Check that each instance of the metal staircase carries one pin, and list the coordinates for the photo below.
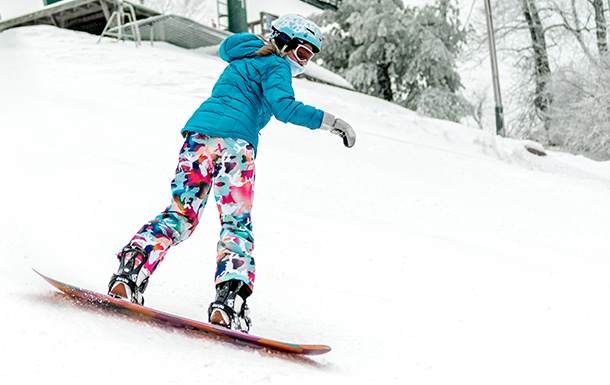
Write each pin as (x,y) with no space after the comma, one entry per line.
(222,8)
(118,28)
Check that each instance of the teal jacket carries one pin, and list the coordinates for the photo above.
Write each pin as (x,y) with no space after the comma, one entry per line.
(250,90)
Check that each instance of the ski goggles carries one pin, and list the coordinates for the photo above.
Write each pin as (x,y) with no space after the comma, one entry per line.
(303,52)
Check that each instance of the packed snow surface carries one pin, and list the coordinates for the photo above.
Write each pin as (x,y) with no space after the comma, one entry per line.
(430,253)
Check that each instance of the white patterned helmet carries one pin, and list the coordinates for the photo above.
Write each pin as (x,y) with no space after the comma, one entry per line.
(291,29)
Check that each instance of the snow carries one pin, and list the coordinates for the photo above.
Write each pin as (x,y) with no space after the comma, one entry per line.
(430,253)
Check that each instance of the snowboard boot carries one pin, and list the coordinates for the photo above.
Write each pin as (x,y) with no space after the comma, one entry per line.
(130,280)
(230,309)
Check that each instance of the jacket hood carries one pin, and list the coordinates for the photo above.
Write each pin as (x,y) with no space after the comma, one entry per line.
(240,46)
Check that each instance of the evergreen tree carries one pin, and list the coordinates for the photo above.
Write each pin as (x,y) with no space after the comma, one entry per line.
(401,54)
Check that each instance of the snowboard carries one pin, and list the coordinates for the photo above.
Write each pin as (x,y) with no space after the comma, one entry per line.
(107,302)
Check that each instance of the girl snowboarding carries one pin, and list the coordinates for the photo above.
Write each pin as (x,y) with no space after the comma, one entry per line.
(219,150)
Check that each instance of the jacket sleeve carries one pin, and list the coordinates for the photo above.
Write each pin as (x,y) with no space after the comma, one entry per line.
(277,90)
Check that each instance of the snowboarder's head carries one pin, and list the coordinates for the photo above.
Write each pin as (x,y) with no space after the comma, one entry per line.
(298,35)
(296,39)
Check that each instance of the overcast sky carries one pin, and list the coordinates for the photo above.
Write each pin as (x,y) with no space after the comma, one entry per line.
(12,8)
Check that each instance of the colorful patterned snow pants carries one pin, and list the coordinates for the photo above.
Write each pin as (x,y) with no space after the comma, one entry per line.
(227,165)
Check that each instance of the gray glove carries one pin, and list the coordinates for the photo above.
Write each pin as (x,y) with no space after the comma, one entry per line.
(339,127)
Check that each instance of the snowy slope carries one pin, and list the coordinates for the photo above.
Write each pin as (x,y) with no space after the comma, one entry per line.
(430,253)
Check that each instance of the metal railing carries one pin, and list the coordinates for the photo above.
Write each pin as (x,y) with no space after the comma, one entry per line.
(116,26)
(179,31)
(324,4)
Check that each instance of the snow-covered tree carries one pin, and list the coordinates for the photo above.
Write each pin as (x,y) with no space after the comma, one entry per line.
(540,57)
(402,54)
(562,49)
(580,113)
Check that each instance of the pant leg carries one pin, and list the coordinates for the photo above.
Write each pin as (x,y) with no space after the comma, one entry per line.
(234,192)
(190,188)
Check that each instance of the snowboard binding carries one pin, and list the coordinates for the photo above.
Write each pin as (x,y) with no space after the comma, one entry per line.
(229,308)
(131,280)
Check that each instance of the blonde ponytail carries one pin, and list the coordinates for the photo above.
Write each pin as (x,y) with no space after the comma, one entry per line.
(270,48)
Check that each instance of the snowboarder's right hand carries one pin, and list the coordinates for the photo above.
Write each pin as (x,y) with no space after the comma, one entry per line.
(339,127)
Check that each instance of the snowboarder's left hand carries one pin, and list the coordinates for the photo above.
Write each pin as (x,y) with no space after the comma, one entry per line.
(339,127)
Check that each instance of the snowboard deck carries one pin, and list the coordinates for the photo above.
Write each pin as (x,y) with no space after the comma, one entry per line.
(106,301)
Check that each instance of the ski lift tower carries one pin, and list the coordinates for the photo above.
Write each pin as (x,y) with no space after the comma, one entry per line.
(232,15)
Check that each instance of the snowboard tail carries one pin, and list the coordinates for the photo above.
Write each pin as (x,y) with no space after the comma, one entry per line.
(103,300)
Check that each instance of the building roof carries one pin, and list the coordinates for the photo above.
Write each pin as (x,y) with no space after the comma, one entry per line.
(79,15)
(93,15)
